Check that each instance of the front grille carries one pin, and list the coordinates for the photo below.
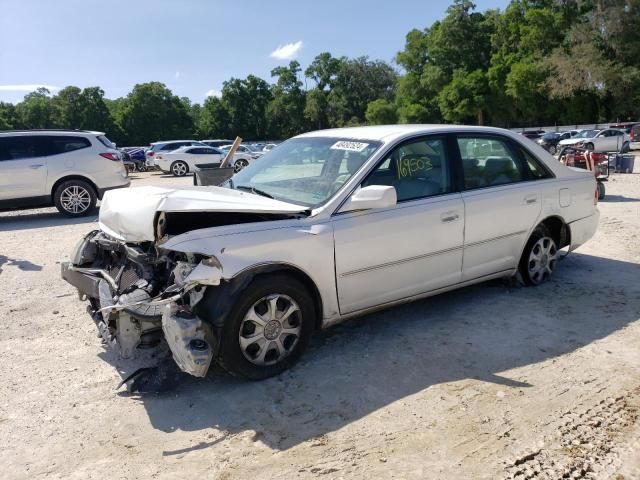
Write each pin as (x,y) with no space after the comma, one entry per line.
(128,278)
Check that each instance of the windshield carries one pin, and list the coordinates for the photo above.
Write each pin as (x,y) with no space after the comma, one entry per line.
(305,171)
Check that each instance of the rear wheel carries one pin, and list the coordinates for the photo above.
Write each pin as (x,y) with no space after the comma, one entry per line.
(240,164)
(179,168)
(75,198)
(539,258)
(268,329)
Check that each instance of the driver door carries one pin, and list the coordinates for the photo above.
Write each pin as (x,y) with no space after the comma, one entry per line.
(384,255)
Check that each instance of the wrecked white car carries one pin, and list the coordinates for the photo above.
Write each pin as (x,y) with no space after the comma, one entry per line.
(329,225)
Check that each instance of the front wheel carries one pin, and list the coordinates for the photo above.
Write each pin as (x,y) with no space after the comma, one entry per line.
(539,258)
(553,149)
(601,190)
(179,168)
(268,329)
(75,198)
(589,146)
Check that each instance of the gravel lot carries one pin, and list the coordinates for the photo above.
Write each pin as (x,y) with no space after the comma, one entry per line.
(492,381)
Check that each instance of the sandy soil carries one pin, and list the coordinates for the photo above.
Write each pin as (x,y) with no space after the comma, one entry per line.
(492,381)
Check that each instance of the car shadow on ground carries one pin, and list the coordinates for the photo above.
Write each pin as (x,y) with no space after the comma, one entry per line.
(619,199)
(41,219)
(365,364)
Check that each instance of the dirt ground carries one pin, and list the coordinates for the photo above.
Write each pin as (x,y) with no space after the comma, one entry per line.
(492,381)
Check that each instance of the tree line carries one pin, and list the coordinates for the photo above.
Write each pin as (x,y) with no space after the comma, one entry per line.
(537,62)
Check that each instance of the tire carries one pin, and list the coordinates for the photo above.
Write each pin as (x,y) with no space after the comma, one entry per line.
(589,146)
(601,190)
(553,149)
(253,352)
(179,168)
(539,258)
(75,198)
(240,164)
(625,147)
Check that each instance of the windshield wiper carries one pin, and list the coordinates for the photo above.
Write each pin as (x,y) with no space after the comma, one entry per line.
(255,190)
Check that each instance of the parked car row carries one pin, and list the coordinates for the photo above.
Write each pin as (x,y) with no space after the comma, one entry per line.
(605,140)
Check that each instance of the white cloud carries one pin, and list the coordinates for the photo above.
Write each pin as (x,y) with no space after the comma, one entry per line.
(214,93)
(26,88)
(288,51)
(177,74)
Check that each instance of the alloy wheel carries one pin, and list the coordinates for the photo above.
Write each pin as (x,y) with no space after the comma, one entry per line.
(542,260)
(270,329)
(179,169)
(239,165)
(75,199)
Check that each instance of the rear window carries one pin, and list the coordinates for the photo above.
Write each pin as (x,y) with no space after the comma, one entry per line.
(63,144)
(106,142)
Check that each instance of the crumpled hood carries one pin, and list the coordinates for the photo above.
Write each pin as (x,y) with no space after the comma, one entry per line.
(128,214)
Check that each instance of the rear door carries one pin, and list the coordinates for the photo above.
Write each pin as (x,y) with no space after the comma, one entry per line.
(501,203)
(23,167)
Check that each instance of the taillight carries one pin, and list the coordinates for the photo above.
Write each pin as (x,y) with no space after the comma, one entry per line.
(150,153)
(111,156)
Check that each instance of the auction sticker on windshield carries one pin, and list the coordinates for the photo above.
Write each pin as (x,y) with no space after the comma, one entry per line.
(349,146)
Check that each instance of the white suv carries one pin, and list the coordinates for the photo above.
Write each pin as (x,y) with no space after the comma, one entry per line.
(70,169)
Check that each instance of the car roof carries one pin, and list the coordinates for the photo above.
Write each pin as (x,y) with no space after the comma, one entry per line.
(388,133)
(173,141)
(49,132)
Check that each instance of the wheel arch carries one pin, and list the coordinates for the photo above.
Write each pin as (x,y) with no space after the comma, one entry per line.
(559,230)
(66,178)
(219,300)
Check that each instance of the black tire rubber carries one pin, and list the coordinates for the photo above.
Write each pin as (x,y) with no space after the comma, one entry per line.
(589,146)
(177,162)
(230,356)
(242,163)
(553,149)
(626,147)
(601,190)
(523,267)
(70,183)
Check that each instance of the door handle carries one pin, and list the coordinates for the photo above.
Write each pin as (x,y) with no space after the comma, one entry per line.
(530,199)
(449,217)
(36,166)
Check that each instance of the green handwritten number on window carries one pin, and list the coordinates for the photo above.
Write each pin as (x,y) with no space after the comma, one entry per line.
(407,167)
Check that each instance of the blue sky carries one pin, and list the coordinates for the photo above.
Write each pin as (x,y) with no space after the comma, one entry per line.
(192,45)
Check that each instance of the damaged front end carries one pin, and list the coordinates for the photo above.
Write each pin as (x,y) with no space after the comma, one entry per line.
(139,294)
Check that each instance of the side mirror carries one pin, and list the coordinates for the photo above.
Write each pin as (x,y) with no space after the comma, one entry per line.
(373,196)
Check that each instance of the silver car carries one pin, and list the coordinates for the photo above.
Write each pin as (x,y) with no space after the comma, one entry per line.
(329,225)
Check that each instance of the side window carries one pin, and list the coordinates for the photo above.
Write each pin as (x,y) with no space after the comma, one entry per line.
(488,162)
(63,144)
(536,169)
(15,148)
(417,169)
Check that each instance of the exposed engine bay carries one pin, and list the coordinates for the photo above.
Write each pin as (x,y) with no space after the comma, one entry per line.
(139,294)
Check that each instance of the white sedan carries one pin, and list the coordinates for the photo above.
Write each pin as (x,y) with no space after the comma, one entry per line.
(329,225)
(183,160)
(242,157)
(608,140)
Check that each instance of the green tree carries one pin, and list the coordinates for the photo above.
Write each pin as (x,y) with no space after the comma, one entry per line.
(214,121)
(316,109)
(152,112)
(8,116)
(37,110)
(464,98)
(286,109)
(68,107)
(381,112)
(246,102)
(324,69)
